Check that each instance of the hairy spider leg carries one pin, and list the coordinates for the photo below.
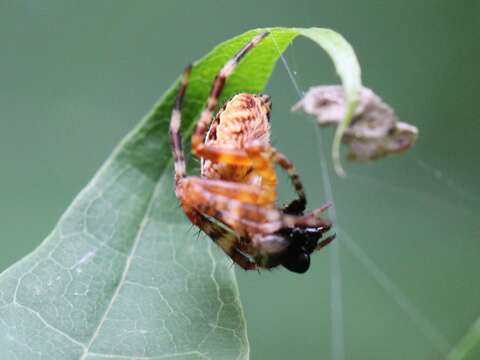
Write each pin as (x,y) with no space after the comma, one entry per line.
(296,206)
(174,131)
(246,193)
(325,242)
(244,218)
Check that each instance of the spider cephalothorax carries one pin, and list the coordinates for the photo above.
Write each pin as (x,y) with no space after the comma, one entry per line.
(234,199)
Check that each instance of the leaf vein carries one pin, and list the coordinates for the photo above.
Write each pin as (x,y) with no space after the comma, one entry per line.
(128,263)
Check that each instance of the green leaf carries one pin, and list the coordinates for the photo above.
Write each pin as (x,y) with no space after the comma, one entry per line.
(121,275)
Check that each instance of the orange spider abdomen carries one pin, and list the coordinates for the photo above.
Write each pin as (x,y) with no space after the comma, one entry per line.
(242,122)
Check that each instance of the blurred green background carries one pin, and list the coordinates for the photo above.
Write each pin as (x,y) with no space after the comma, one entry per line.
(76,76)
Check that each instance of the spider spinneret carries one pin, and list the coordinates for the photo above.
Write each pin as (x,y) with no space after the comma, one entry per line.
(234,199)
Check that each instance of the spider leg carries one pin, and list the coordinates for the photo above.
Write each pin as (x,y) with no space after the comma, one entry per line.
(218,84)
(304,221)
(321,209)
(174,131)
(325,242)
(244,218)
(297,206)
(241,217)
(225,239)
(245,193)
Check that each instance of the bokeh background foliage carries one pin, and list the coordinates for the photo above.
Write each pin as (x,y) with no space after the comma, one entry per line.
(76,76)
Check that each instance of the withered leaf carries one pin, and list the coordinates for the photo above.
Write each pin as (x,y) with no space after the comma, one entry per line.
(374,131)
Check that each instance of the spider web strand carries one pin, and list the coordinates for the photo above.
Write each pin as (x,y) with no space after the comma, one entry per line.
(416,316)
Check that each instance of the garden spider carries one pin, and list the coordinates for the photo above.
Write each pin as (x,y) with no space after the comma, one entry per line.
(233,201)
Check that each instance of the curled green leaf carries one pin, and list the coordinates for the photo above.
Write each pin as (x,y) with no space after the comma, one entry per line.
(121,275)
